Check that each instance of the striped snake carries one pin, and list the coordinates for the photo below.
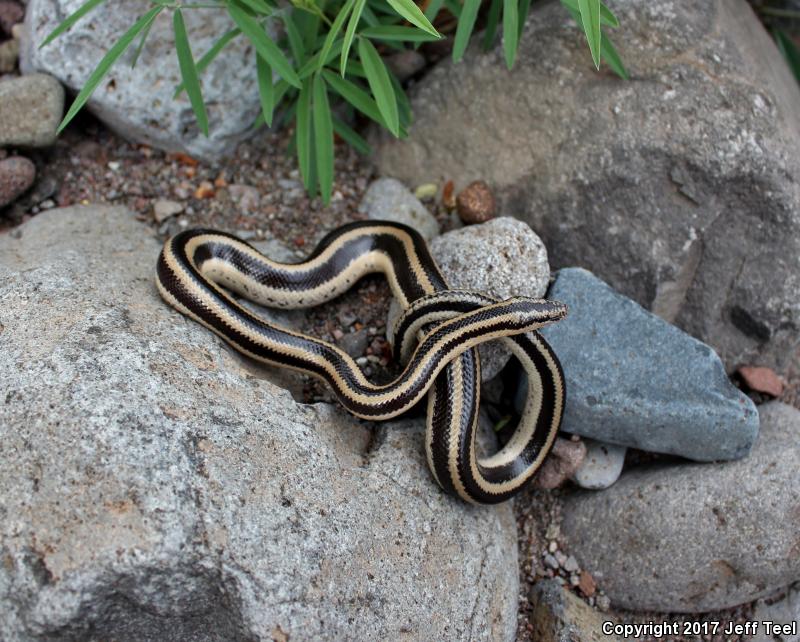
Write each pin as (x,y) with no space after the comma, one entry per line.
(435,337)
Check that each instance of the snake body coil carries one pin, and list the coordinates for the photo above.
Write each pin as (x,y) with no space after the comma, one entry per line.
(436,338)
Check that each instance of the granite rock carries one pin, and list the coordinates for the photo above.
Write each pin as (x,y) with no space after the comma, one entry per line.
(692,538)
(387,199)
(30,110)
(501,258)
(559,616)
(782,611)
(635,380)
(137,102)
(155,485)
(679,187)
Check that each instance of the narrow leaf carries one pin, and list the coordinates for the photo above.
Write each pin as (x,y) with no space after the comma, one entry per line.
(413,14)
(524,7)
(333,32)
(266,90)
(607,18)
(380,84)
(140,46)
(263,44)
(610,55)
(106,63)
(401,34)
(490,33)
(350,136)
(790,51)
(356,96)
(465,26)
(510,31)
(323,132)
(350,32)
(189,71)
(296,45)
(208,56)
(258,6)
(590,17)
(312,63)
(434,7)
(303,129)
(71,20)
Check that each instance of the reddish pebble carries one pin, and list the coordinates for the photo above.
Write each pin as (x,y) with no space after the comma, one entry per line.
(761,379)
(204,190)
(11,13)
(16,176)
(586,584)
(561,464)
(475,203)
(449,195)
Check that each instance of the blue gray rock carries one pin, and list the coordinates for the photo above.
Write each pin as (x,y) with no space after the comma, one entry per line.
(635,380)
(602,465)
(387,199)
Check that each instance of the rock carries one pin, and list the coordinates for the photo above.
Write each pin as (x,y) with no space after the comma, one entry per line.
(16,176)
(635,380)
(561,464)
(245,196)
(157,486)
(388,199)
(475,203)
(137,102)
(761,379)
(691,538)
(11,13)
(559,616)
(9,53)
(406,63)
(502,258)
(679,187)
(30,110)
(602,465)
(164,209)
(783,611)
(355,343)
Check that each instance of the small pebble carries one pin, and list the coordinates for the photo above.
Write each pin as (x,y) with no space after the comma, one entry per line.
(561,464)
(11,13)
(426,191)
(164,209)
(603,603)
(553,547)
(475,203)
(761,379)
(551,562)
(571,564)
(586,584)
(17,174)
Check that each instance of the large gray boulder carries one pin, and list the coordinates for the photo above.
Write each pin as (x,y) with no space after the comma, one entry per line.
(153,485)
(692,538)
(137,102)
(678,187)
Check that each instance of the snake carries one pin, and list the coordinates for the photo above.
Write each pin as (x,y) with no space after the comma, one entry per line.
(199,271)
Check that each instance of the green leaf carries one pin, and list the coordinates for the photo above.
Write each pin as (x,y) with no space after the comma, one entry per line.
(189,71)
(263,44)
(296,45)
(380,84)
(434,7)
(310,65)
(403,106)
(402,34)
(349,136)
(453,7)
(266,90)
(258,6)
(465,26)
(209,56)
(590,17)
(353,94)
(524,8)
(412,13)
(610,55)
(333,32)
(490,33)
(789,51)
(349,33)
(323,132)
(140,46)
(607,18)
(106,63)
(510,31)
(71,20)
(303,120)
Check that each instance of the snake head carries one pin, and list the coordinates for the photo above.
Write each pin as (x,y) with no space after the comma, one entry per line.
(531,314)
